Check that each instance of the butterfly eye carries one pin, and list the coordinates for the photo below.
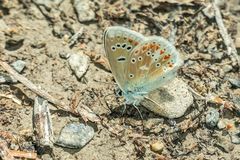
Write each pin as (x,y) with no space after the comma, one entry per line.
(129,48)
(158,65)
(155,59)
(113,48)
(133,60)
(139,58)
(124,45)
(148,53)
(131,75)
(118,45)
(152,55)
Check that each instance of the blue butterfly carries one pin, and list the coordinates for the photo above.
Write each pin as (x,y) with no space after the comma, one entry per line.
(139,64)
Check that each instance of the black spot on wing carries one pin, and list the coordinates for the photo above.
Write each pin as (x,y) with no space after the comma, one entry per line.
(121,59)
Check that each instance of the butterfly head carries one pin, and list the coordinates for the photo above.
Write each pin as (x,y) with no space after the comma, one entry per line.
(134,97)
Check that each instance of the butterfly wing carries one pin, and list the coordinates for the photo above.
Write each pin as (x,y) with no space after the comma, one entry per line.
(151,64)
(118,44)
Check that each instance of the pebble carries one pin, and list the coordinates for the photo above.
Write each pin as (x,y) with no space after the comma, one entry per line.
(218,55)
(18,65)
(173,99)
(235,138)
(157,147)
(75,135)
(221,124)
(79,64)
(227,68)
(234,82)
(212,117)
(84,10)
(64,54)
(14,43)
(5,78)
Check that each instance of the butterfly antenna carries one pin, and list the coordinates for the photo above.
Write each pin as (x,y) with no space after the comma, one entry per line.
(123,112)
(124,109)
(151,100)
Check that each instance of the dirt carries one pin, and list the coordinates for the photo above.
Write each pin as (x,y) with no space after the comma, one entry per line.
(38,33)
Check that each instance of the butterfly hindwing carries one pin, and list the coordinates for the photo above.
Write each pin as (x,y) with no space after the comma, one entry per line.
(151,64)
(118,44)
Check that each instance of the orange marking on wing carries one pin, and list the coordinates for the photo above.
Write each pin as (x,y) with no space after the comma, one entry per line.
(136,52)
(162,51)
(167,57)
(153,47)
(157,47)
(130,40)
(136,43)
(145,47)
(170,64)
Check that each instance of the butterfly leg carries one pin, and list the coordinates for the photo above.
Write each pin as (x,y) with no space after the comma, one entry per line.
(134,105)
(123,112)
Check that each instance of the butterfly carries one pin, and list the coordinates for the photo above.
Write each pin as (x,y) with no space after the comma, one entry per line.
(139,64)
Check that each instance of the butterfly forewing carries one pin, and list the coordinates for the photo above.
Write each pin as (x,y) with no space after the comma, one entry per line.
(151,64)
(119,43)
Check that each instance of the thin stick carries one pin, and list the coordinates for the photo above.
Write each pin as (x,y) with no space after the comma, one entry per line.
(23,154)
(33,87)
(4,151)
(231,49)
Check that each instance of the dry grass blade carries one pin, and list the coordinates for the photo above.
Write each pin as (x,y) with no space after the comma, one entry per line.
(32,87)
(231,49)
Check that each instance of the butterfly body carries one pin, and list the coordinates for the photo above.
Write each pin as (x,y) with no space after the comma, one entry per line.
(139,64)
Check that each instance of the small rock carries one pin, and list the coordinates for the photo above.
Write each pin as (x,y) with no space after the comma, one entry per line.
(14,43)
(172,99)
(157,147)
(5,78)
(75,135)
(79,64)
(84,10)
(234,82)
(18,65)
(212,118)
(221,124)
(235,138)
(64,54)
(236,101)
(227,68)
(217,55)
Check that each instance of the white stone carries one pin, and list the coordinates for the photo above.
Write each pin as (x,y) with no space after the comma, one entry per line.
(79,64)
(171,100)
(84,9)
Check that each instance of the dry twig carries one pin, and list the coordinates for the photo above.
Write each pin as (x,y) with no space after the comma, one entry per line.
(32,87)
(231,49)
(84,111)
